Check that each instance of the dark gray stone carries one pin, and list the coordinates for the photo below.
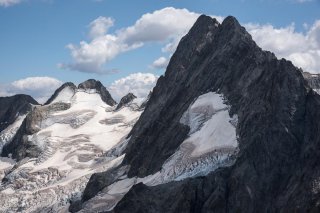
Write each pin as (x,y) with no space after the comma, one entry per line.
(126,100)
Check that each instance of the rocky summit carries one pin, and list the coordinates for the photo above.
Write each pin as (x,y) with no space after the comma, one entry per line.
(229,127)
(273,164)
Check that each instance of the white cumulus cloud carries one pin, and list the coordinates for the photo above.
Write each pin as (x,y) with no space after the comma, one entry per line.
(161,25)
(100,26)
(7,3)
(140,84)
(167,25)
(160,63)
(303,49)
(40,88)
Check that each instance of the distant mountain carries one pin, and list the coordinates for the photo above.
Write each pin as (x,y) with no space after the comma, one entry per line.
(63,93)
(57,146)
(93,85)
(126,100)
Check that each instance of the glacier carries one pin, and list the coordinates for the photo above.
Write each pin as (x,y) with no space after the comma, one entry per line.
(74,141)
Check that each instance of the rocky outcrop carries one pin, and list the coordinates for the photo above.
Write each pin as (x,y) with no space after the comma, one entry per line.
(277,167)
(21,146)
(92,84)
(11,107)
(126,100)
(313,80)
(57,92)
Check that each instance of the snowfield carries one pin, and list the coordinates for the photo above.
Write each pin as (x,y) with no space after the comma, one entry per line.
(73,143)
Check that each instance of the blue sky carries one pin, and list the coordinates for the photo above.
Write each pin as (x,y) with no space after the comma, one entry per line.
(38,37)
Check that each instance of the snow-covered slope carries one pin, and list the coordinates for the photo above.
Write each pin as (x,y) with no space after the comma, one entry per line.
(212,143)
(73,142)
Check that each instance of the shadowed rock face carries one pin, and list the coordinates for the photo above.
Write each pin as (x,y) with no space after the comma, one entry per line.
(56,93)
(157,128)
(11,107)
(93,84)
(277,168)
(125,100)
(20,147)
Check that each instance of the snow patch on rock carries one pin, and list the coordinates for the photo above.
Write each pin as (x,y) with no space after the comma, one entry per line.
(7,134)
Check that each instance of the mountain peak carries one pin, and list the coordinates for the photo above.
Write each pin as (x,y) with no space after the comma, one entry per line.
(126,99)
(231,20)
(97,85)
(69,85)
(90,84)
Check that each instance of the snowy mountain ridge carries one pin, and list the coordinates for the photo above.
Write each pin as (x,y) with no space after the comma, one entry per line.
(72,135)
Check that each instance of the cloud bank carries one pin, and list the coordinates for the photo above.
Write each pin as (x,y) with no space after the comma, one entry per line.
(140,84)
(303,49)
(8,3)
(160,63)
(167,25)
(40,88)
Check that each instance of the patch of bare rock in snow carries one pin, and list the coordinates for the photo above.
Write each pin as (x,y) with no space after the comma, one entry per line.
(7,135)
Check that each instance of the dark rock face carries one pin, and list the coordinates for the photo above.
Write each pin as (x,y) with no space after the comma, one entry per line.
(193,195)
(56,93)
(154,137)
(11,107)
(125,100)
(93,84)
(278,167)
